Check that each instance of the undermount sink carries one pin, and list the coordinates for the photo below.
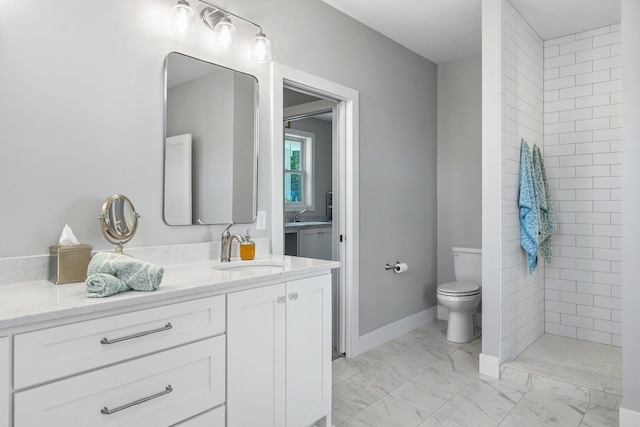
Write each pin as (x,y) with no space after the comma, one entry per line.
(257,266)
(308,223)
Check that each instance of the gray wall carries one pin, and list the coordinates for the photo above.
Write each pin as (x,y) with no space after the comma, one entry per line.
(81,118)
(321,162)
(459,159)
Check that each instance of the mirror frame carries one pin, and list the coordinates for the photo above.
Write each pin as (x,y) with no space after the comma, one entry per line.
(256,144)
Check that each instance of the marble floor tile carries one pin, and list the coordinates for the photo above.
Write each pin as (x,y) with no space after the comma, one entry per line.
(442,380)
(438,345)
(603,410)
(387,412)
(515,376)
(338,416)
(405,368)
(560,387)
(353,422)
(460,362)
(410,338)
(421,396)
(377,380)
(470,413)
(435,327)
(351,398)
(552,409)
(436,421)
(422,380)
(474,348)
(343,369)
(489,391)
(517,420)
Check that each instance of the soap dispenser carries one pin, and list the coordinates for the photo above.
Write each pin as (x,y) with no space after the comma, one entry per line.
(247,248)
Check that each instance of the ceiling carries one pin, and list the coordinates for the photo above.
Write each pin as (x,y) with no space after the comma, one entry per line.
(446,30)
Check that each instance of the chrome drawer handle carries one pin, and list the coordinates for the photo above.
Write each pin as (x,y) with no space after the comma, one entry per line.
(138,335)
(293,296)
(108,411)
(281,300)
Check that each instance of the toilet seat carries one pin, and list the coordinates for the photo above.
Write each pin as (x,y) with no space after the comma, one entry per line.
(458,289)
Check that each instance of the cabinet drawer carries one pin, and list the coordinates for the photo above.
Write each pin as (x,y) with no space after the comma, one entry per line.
(65,350)
(214,418)
(178,384)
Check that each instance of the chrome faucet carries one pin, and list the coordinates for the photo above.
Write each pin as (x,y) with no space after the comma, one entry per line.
(225,244)
(226,249)
(295,216)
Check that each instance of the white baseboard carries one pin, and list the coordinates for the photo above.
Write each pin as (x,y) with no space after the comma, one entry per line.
(395,329)
(489,365)
(629,418)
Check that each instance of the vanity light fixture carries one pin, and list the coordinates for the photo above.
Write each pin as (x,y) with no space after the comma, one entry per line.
(219,21)
(225,37)
(182,18)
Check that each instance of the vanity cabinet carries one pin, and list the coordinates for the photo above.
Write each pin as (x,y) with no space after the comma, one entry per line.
(153,367)
(5,369)
(279,354)
(161,389)
(315,243)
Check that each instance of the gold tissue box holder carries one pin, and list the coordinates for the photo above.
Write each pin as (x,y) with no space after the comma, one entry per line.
(68,264)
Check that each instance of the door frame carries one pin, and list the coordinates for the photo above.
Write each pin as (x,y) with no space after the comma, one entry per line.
(347,165)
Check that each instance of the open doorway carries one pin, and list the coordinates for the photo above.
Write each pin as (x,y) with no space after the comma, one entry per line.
(309,183)
(345,197)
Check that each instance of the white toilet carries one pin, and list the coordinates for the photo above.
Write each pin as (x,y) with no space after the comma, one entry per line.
(463,296)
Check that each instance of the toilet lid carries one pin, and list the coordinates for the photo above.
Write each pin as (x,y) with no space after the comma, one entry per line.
(459,289)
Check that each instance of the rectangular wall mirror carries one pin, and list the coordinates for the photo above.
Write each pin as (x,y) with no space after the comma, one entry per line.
(211,143)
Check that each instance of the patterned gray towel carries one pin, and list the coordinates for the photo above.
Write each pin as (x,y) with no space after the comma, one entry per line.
(100,285)
(138,275)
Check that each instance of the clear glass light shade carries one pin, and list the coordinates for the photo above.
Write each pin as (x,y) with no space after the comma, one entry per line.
(225,37)
(182,18)
(261,48)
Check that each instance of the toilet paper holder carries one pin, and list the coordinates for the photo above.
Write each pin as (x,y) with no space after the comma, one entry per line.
(398,267)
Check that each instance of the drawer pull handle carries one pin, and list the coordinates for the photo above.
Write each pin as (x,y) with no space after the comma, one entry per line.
(293,296)
(108,411)
(138,335)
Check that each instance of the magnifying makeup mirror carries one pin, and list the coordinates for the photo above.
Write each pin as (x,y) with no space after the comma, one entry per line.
(118,220)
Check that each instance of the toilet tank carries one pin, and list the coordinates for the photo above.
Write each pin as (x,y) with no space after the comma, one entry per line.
(467,264)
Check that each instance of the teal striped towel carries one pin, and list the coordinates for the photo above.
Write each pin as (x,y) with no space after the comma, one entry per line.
(547,215)
(529,208)
(138,275)
(100,285)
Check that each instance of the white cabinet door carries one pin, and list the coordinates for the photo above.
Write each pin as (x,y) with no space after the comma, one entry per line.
(256,325)
(308,350)
(255,364)
(5,368)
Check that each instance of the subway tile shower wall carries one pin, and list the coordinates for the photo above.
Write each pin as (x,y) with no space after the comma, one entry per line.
(583,158)
(523,103)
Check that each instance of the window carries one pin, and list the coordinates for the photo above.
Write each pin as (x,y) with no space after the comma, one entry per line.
(298,177)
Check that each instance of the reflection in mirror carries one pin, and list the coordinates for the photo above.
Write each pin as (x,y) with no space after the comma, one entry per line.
(118,220)
(210,168)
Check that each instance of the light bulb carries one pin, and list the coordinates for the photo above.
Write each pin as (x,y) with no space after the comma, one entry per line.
(225,34)
(261,48)
(182,18)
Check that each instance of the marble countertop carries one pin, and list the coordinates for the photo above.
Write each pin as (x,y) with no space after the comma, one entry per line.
(39,301)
